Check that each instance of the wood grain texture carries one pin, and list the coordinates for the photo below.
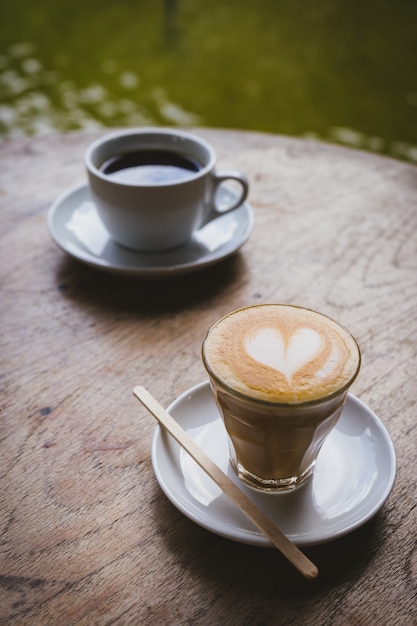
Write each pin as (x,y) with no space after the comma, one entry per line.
(87,537)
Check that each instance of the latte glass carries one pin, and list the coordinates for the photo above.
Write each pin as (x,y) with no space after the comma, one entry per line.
(280,376)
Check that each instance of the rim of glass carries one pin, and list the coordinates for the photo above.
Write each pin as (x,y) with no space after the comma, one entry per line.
(243,396)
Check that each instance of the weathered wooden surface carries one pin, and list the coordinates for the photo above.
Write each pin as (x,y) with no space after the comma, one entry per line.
(87,537)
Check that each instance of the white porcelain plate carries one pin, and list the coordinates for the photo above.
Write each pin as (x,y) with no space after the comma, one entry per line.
(75,226)
(354,475)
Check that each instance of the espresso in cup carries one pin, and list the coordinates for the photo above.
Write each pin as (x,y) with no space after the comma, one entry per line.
(153,187)
(280,375)
(150,167)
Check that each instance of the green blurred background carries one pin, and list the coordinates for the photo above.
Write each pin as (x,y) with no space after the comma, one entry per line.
(341,71)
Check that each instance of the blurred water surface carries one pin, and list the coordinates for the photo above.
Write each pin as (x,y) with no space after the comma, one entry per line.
(340,71)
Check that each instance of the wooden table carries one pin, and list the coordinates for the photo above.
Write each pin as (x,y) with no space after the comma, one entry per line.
(87,536)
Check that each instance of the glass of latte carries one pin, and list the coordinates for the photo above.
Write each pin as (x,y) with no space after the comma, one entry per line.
(280,375)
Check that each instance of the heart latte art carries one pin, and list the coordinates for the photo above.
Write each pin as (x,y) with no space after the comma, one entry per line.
(269,347)
(281,353)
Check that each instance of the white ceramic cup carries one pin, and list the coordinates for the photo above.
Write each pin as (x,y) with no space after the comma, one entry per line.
(157,216)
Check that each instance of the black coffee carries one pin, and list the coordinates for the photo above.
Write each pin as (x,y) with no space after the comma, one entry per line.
(150,167)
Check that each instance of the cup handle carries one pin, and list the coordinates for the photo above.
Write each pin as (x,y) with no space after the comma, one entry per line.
(217,179)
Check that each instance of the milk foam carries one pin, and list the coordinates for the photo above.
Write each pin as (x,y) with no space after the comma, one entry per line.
(281,353)
(269,347)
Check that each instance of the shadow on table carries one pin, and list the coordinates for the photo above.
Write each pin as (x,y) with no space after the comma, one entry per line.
(259,575)
(118,293)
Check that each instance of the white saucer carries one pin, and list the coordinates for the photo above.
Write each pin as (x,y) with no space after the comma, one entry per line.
(354,475)
(75,227)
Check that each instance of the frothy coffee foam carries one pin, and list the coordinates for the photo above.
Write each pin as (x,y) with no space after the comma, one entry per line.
(281,353)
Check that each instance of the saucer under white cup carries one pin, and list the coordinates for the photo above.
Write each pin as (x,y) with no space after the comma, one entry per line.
(75,226)
(354,475)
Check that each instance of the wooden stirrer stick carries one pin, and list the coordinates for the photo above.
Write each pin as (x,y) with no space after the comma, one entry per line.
(284,545)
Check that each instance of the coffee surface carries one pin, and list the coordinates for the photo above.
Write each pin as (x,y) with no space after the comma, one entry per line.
(150,167)
(281,353)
